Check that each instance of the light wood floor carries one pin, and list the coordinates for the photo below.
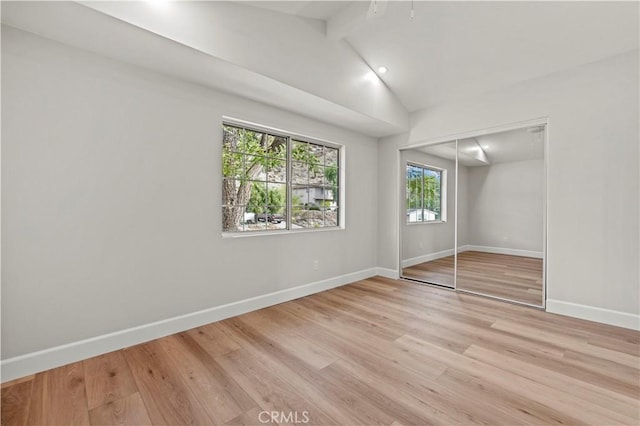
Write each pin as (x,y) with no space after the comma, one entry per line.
(378,351)
(515,278)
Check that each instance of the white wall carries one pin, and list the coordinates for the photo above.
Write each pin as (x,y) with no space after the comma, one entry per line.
(111,196)
(389,211)
(421,239)
(593,129)
(505,205)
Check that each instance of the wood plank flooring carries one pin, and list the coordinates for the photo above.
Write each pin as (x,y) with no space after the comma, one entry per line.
(377,351)
(515,278)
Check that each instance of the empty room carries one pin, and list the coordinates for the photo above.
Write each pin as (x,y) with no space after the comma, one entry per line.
(320,212)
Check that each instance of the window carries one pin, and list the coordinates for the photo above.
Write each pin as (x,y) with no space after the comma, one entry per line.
(277,182)
(426,195)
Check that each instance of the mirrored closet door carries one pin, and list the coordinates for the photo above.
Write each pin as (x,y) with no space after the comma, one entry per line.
(428,229)
(474,214)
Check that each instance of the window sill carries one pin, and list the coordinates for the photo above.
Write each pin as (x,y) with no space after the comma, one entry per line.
(426,223)
(226,235)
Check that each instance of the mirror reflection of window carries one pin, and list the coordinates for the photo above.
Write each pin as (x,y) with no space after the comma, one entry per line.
(425,191)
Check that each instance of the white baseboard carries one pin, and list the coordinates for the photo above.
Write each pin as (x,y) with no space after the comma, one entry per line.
(24,365)
(388,273)
(485,249)
(426,258)
(502,250)
(591,313)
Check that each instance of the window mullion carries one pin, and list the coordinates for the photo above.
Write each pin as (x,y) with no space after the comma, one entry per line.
(422,195)
(289,215)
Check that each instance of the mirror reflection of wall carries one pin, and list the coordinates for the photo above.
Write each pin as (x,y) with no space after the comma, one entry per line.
(500,240)
(428,228)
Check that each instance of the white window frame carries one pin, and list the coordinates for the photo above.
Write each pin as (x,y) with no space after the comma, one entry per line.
(443,193)
(291,136)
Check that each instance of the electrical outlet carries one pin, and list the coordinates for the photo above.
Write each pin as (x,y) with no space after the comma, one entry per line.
(316,265)
(420,244)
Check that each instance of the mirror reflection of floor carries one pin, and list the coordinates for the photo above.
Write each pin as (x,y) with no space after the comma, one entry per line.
(439,271)
(515,278)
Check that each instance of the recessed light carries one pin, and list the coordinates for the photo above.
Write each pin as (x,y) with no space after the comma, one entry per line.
(382,69)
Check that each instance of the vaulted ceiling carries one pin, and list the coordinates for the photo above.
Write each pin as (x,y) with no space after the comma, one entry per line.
(320,58)
(454,50)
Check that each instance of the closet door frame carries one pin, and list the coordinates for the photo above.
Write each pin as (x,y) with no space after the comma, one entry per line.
(542,121)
